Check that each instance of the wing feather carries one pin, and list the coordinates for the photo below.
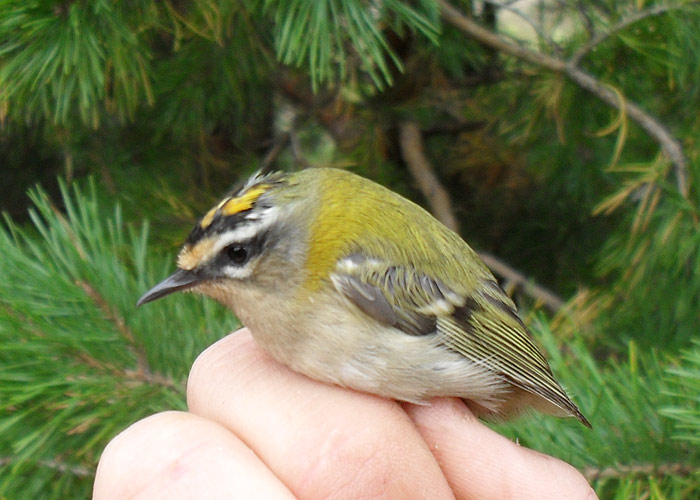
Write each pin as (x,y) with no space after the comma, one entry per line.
(482,324)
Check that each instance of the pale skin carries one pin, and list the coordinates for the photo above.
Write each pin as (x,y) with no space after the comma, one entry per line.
(255,429)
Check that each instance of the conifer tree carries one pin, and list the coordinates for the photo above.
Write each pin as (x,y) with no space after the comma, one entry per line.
(558,137)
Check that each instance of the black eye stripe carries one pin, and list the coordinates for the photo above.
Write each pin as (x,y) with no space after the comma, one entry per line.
(238,253)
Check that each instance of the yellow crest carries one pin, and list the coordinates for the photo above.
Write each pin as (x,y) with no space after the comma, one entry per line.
(235,205)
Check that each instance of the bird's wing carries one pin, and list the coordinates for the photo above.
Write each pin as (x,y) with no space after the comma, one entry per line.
(482,324)
(394,295)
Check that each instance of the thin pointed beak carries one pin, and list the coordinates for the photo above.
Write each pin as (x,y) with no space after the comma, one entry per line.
(179,280)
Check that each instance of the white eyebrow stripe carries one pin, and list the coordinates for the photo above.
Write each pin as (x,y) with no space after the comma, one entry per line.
(246,232)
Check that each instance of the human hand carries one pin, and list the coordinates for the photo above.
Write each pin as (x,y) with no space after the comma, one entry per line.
(256,429)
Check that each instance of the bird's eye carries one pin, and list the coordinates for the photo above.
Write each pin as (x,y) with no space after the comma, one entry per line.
(236,254)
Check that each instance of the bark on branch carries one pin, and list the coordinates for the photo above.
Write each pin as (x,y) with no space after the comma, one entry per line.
(655,10)
(412,151)
(669,144)
(419,166)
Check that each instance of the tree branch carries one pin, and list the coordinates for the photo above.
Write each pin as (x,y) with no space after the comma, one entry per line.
(143,372)
(518,279)
(419,166)
(669,144)
(622,24)
(270,158)
(470,27)
(438,198)
(536,27)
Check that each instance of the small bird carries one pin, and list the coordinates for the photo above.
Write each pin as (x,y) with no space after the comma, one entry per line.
(349,283)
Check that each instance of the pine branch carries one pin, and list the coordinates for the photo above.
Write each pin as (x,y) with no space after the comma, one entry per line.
(684,385)
(78,362)
(419,166)
(531,22)
(412,150)
(143,372)
(624,23)
(515,278)
(278,144)
(669,144)
(119,323)
(621,395)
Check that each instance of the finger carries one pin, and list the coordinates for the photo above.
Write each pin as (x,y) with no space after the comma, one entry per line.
(479,463)
(176,455)
(321,440)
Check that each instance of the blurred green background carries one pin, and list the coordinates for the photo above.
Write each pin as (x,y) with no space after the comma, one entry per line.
(563,136)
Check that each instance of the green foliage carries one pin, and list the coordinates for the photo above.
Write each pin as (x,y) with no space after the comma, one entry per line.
(307,34)
(661,289)
(684,389)
(632,447)
(225,77)
(60,58)
(78,362)
(169,103)
(68,308)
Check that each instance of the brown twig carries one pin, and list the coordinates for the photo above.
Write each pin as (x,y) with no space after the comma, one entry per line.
(411,142)
(621,25)
(470,27)
(669,144)
(550,299)
(587,21)
(528,20)
(88,360)
(412,150)
(117,321)
(271,156)
(143,372)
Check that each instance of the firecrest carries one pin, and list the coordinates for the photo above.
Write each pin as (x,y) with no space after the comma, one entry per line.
(349,283)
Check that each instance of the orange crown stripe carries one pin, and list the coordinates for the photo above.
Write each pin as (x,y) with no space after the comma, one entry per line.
(233,206)
(243,202)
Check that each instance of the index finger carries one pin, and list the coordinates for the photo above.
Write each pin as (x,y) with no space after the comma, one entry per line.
(322,441)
